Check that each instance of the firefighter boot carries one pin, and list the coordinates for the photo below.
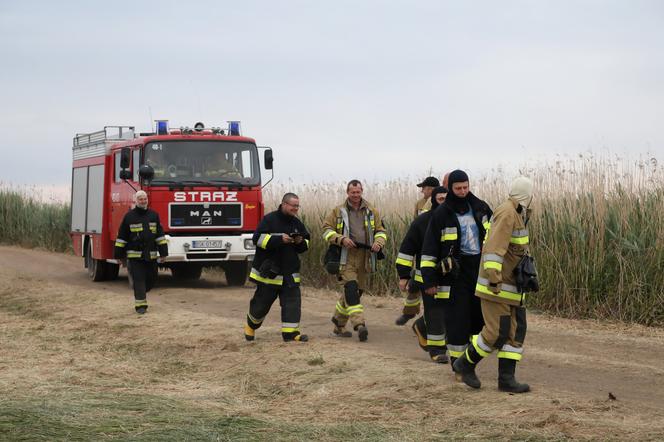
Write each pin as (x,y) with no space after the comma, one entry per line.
(340,331)
(452,361)
(362,332)
(419,328)
(439,356)
(506,380)
(298,337)
(249,333)
(465,367)
(401,320)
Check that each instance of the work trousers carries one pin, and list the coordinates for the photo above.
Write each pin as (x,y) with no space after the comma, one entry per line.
(504,330)
(434,322)
(463,311)
(290,300)
(143,275)
(353,278)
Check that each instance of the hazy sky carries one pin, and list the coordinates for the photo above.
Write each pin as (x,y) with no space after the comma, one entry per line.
(339,89)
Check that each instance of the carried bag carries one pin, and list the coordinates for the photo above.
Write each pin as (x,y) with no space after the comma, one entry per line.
(525,274)
(332,259)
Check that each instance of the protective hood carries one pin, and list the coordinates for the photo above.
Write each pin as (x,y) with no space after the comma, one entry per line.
(459,205)
(436,191)
(522,191)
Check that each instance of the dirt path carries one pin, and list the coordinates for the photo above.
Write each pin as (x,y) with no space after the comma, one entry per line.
(572,366)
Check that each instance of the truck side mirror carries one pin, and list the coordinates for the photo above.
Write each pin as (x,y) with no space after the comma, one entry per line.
(268,159)
(125,174)
(125,158)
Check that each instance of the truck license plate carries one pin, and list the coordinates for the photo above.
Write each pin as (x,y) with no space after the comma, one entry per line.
(208,244)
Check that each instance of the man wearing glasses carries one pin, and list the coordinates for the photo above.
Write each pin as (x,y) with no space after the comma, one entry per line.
(279,239)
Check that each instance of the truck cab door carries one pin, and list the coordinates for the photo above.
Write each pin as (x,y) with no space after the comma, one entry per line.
(121,194)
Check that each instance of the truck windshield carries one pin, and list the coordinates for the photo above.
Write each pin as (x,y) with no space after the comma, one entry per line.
(203,162)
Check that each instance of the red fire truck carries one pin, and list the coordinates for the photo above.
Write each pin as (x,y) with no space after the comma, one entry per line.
(205,183)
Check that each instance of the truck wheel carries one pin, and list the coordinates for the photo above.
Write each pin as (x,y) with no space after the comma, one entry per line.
(112,271)
(188,272)
(236,272)
(96,267)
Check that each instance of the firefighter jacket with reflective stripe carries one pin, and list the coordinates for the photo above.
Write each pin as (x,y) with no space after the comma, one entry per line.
(411,246)
(506,243)
(276,262)
(141,236)
(336,227)
(422,205)
(443,239)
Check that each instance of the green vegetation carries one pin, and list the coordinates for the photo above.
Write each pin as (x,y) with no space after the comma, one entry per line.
(28,222)
(597,232)
(141,417)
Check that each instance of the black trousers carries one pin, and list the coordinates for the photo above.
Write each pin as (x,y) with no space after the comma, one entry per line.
(290,300)
(434,320)
(144,275)
(463,311)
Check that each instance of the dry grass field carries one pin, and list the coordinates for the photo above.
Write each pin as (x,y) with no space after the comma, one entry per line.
(76,363)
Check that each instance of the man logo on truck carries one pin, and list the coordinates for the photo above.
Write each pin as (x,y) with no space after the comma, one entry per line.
(204,196)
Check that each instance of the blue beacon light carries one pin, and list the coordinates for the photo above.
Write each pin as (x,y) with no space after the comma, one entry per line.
(234,128)
(162,127)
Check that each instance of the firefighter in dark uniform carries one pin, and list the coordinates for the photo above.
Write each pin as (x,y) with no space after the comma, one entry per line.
(279,239)
(450,260)
(430,328)
(502,300)
(140,244)
(412,301)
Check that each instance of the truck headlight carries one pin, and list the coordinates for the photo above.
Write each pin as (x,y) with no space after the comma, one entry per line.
(248,244)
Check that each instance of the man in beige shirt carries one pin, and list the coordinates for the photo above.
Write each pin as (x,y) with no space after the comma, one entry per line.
(427,186)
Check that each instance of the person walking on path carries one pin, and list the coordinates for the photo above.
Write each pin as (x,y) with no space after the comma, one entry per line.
(498,289)
(279,239)
(450,260)
(356,227)
(140,244)
(429,328)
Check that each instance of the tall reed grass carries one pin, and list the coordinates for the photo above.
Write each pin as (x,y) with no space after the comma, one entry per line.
(597,232)
(29,221)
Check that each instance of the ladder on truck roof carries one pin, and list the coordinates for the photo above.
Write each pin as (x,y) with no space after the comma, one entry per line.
(99,143)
